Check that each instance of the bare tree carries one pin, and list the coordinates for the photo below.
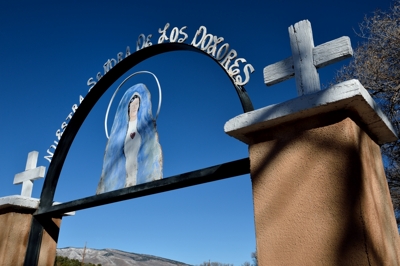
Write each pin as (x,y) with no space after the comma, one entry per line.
(376,64)
(254,258)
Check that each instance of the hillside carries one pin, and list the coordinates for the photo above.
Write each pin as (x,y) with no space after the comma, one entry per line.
(112,257)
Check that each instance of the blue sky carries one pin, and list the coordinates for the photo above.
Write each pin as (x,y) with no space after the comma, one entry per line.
(50,49)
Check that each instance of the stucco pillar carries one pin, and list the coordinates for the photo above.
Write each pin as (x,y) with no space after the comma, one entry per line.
(319,189)
(15,224)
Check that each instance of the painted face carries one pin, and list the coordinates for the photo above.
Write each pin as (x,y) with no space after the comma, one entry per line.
(133,109)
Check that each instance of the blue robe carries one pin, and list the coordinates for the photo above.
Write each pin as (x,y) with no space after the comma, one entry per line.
(149,157)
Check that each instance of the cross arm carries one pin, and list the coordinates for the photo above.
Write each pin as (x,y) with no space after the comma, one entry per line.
(323,55)
(31,174)
(332,52)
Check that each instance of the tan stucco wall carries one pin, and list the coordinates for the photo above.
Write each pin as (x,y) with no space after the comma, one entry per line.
(48,247)
(321,196)
(14,234)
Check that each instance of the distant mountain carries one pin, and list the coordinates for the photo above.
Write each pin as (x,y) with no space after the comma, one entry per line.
(113,257)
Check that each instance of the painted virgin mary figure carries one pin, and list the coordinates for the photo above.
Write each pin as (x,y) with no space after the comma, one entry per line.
(133,153)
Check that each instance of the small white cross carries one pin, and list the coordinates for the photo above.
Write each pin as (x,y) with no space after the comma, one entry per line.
(31,173)
(306,59)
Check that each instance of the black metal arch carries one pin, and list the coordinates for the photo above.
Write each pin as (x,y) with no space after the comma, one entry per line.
(42,219)
(60,154)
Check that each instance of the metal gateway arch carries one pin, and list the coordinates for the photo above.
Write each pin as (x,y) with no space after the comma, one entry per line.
(42,218)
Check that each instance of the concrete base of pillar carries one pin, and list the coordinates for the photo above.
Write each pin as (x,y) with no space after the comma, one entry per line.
(15,220)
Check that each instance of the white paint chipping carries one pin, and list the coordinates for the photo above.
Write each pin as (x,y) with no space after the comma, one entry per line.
(31,173)
(19,201)
(332,52)
(22,202)
(302,45)
(349,95)
(306,59)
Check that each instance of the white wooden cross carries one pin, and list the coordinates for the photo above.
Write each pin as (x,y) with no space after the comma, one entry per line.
(306,59)
(31,173)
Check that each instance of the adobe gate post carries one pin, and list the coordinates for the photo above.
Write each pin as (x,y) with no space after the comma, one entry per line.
(16,217)
(16,214)
(319,189)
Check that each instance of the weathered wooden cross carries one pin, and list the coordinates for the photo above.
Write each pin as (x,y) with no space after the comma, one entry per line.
(31,173)
(306,59)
